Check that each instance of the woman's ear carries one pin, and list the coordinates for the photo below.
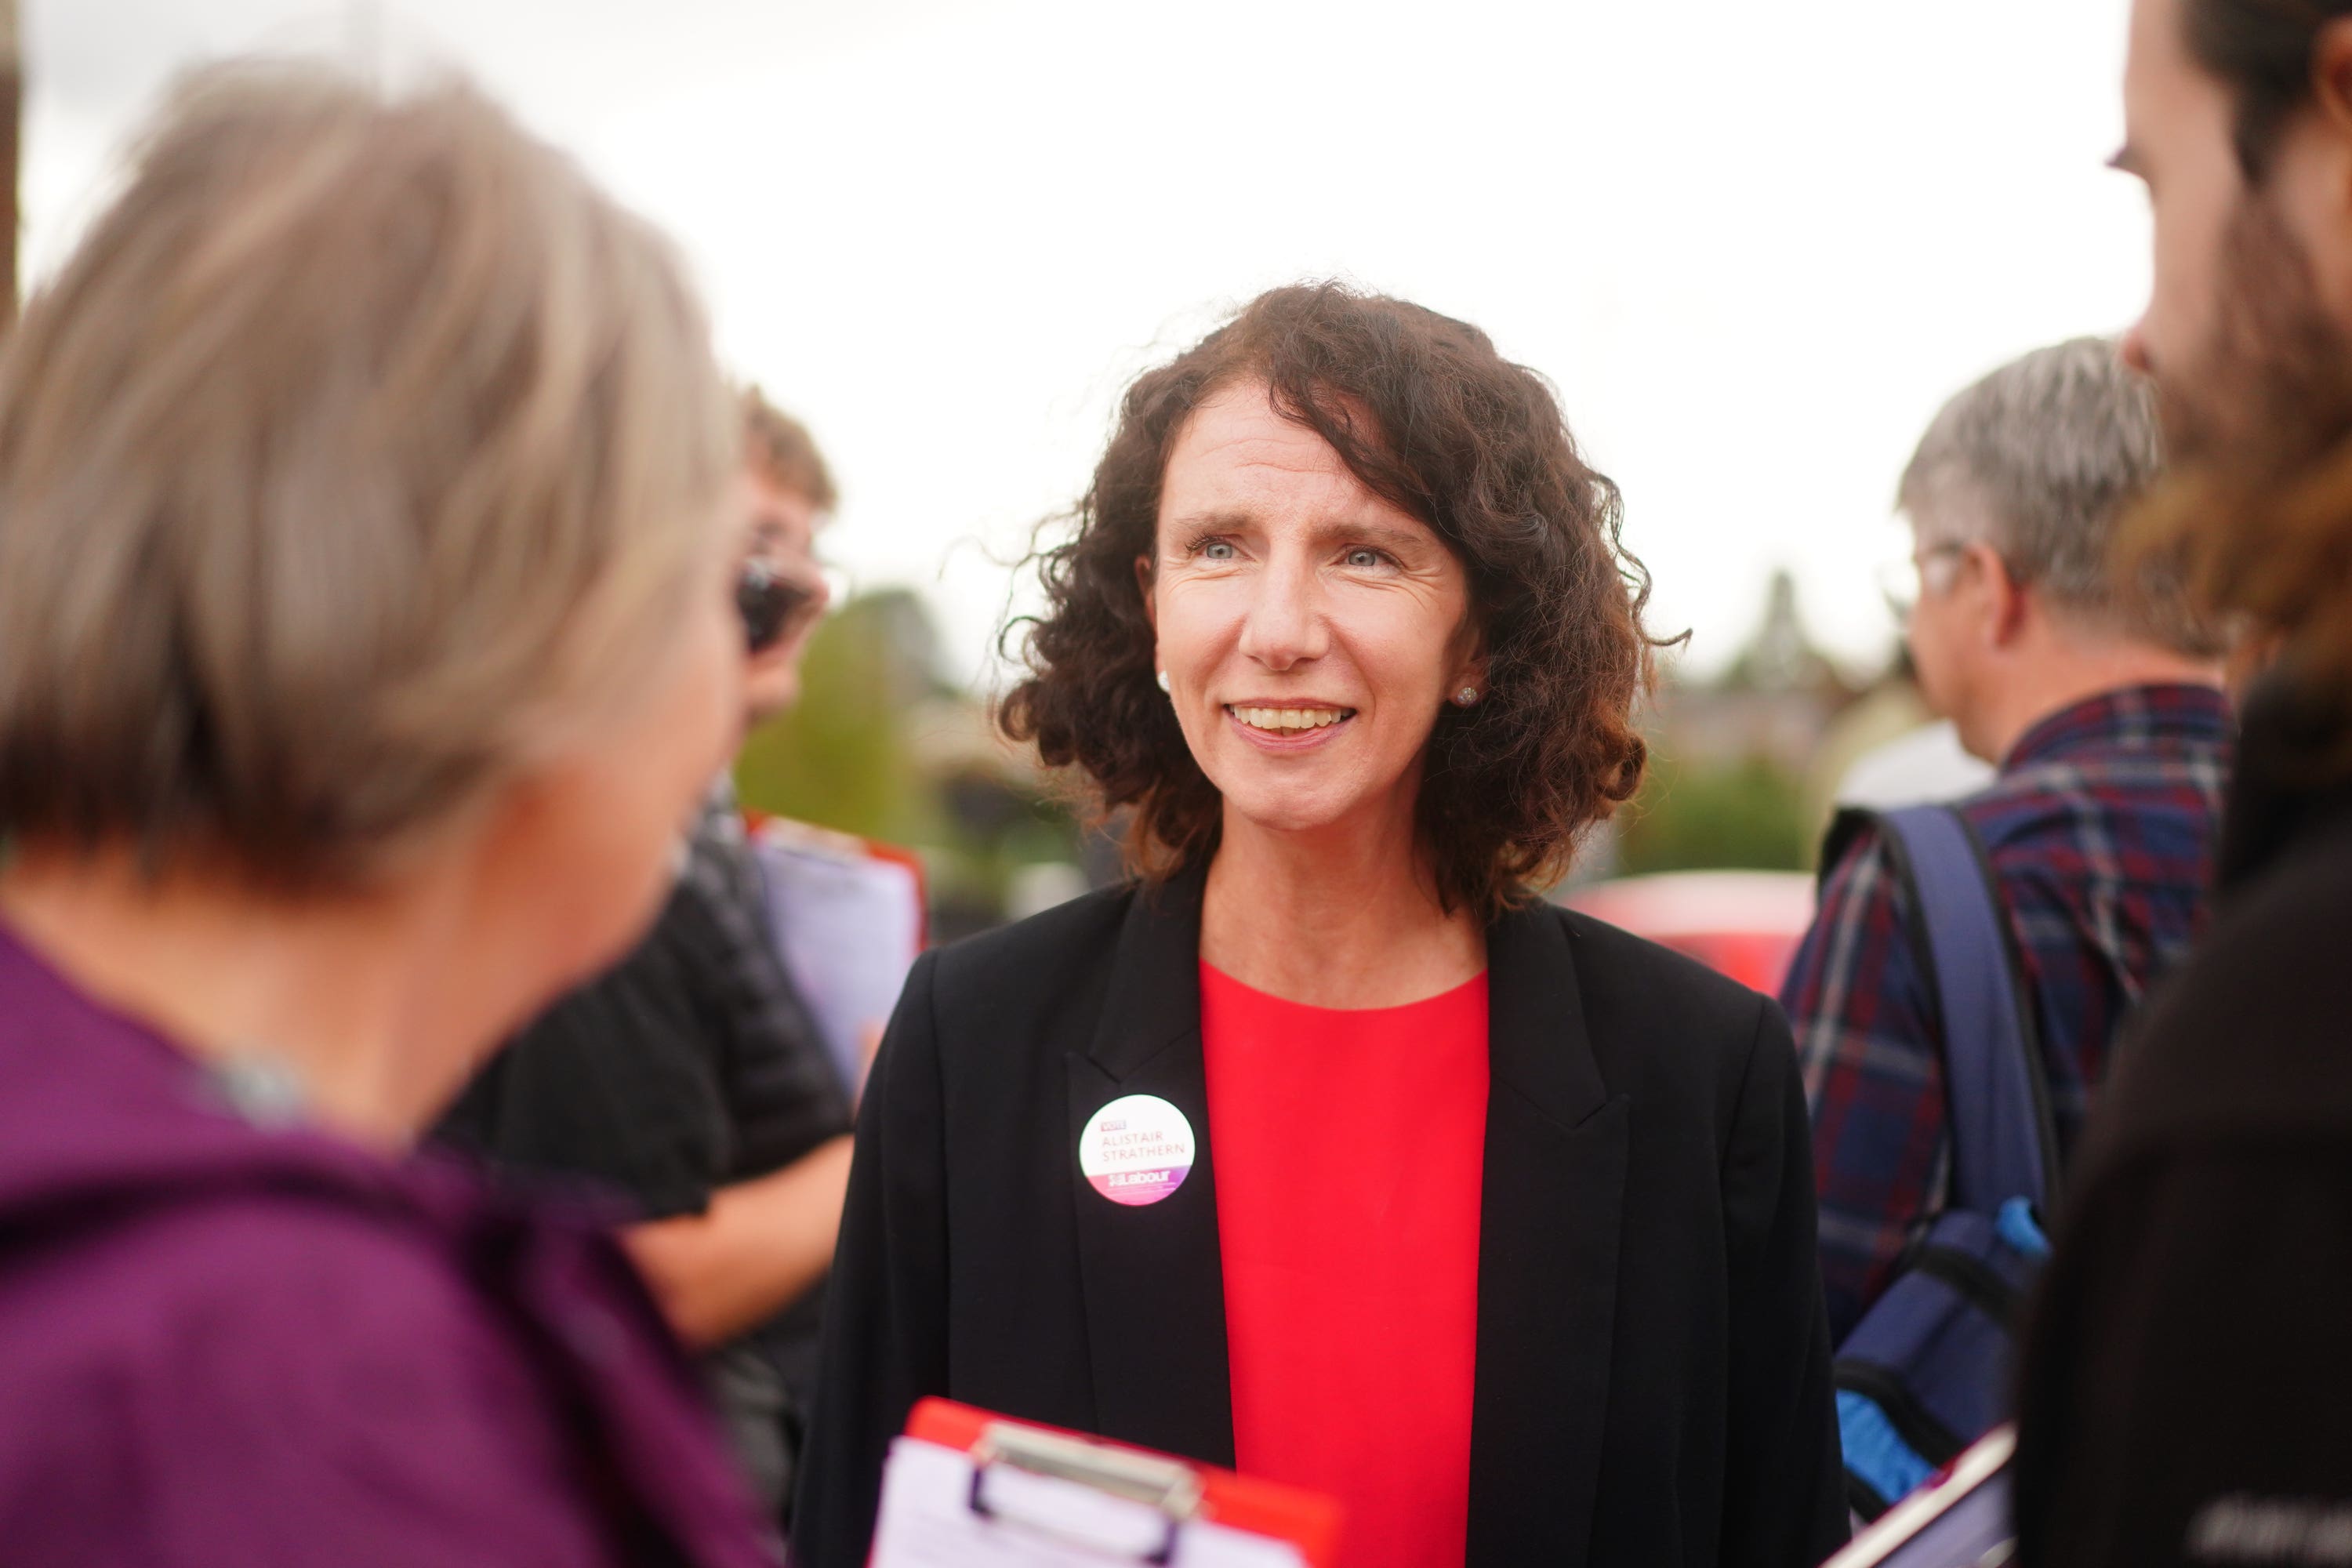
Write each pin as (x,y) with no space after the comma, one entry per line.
(1143,582)
(1470,669)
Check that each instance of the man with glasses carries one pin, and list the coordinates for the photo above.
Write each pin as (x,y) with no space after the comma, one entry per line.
(2097,696)
(692,1079)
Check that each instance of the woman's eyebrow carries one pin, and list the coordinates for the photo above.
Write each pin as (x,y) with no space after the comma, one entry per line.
(1322,534)
(1201,522)
(1340,529)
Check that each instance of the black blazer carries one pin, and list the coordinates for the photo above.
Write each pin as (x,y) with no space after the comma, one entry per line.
(1653,1381)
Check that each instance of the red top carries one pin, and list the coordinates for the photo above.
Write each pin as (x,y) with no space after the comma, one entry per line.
(1349,1146)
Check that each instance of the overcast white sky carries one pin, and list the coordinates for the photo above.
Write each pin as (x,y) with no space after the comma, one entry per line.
(1754,245)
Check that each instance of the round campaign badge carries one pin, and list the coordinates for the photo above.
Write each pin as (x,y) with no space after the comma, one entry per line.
(1137,1150)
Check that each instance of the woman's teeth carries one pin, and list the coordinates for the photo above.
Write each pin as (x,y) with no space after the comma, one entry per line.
(1279,718)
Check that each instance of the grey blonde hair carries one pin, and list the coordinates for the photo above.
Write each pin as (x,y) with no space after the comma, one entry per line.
(361,453)
(2040,460)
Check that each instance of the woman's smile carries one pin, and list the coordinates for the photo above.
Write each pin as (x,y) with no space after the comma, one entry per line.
(1288,726)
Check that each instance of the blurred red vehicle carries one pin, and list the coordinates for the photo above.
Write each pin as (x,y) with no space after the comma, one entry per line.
(1745,923)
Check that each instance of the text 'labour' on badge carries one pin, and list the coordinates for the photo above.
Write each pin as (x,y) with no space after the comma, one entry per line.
(1136,1150)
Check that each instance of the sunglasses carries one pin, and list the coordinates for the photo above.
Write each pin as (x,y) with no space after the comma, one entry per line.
(772,603)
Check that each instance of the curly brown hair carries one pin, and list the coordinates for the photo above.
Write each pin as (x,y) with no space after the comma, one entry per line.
(1428,415)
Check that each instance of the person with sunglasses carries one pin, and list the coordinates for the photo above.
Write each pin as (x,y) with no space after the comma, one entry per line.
(691,1079)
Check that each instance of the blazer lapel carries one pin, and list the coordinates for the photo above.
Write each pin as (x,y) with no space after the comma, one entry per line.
(1152,1274)
(1551,1210)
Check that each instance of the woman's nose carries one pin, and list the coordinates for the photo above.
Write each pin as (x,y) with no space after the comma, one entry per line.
(1286,624)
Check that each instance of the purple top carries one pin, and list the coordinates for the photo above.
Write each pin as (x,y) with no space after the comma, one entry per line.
(227,1342)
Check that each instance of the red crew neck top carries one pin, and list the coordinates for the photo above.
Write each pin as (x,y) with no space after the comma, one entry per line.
(1350,1147)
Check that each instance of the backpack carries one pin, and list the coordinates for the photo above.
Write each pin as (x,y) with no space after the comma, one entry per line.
(1927,1371)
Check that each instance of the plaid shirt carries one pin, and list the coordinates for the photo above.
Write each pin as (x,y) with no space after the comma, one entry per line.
(2100,829)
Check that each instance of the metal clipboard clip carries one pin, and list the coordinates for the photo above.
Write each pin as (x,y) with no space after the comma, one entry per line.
(1169,1488)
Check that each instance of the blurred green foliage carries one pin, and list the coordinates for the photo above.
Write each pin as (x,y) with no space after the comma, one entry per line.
(841,757)
(1746,815)
(883,746)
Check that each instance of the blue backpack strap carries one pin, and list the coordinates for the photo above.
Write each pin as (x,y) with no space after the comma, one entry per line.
(2004,1141)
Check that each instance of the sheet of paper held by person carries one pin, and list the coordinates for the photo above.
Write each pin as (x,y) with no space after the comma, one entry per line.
(966,1490)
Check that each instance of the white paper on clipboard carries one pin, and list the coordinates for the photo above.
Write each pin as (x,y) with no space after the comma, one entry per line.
(1961,1520)
(848,926)
(933,1517)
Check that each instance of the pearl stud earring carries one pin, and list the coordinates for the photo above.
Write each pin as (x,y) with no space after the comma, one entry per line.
(1466,697)
(1163,681)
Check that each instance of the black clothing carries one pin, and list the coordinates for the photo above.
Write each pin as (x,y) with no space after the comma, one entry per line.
(2294,780)
(691,1064)
(1652,1382)
(2188,1386)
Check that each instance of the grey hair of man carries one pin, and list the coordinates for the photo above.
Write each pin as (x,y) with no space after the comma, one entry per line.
(2040,459)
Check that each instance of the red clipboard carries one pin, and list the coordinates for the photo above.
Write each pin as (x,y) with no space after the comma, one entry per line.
(965,1486)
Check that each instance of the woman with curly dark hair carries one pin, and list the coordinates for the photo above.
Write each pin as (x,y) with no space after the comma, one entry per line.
(1325,1148)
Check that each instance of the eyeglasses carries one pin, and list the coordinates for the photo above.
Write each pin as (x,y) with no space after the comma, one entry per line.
(774,604)
(1904,580)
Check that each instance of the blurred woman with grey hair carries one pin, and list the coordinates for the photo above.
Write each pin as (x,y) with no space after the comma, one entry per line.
(365,641)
